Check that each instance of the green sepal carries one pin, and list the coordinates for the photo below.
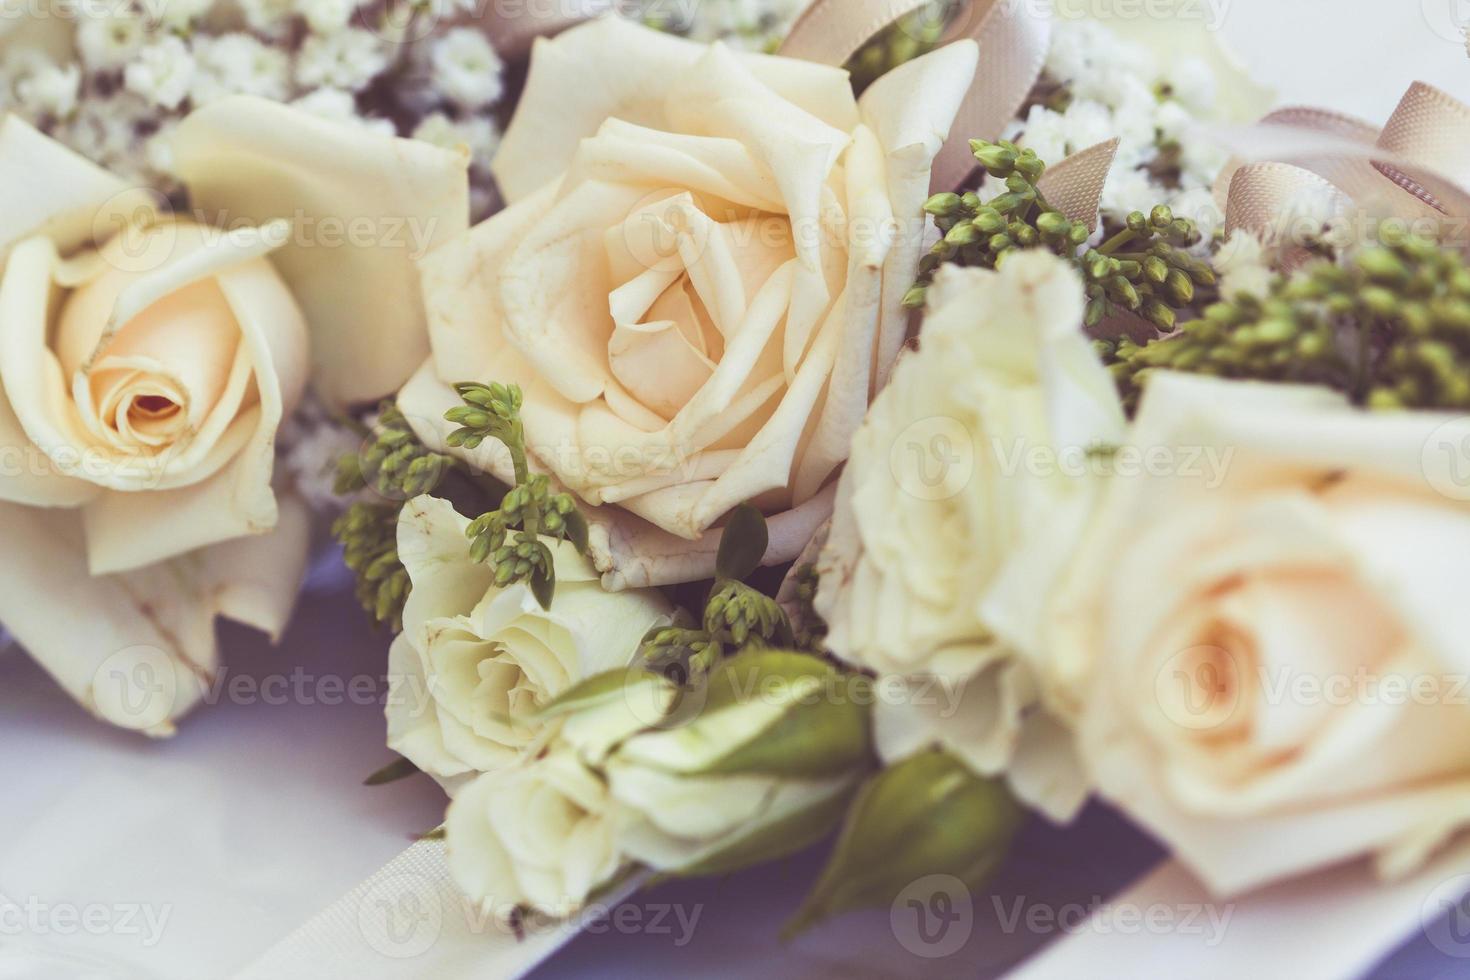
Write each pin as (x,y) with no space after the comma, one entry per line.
(399,768)
(543,584)
(820,730)
(576,530)
(598,691)
(743,544)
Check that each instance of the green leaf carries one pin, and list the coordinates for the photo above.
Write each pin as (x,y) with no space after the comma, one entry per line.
(743,544)
(926,815)
(399,768)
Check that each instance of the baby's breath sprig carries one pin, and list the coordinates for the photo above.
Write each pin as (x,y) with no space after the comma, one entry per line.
(1390,327)
(736,616)
(369,536)
(1143,269)
(529,509)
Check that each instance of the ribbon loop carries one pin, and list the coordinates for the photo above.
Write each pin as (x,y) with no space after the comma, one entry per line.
(1416,168)
(1013,47)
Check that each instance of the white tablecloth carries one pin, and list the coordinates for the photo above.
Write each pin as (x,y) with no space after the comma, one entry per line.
(184,860)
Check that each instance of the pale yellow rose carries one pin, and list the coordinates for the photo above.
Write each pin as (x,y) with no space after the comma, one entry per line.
(698,281)
(1267,666)
(968,484)
(146,364)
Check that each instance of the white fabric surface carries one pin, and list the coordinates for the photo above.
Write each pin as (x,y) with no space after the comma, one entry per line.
(254,819)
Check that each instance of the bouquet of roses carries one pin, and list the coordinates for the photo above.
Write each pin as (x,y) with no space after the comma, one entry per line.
(882,438)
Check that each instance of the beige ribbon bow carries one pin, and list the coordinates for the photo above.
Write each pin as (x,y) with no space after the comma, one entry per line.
(1013,48)
(1416,168)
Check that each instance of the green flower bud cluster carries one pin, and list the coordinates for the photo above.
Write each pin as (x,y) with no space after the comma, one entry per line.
(742,617)
(1390,327)
(1417,296)
(1155,278)
(907,38)
(811,629)
(392,461)
(529,508)
(490,411)
(369,536)
(680,652)
(736,617)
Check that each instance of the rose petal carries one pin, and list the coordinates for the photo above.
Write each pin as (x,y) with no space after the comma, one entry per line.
(911,109)
(608,68)
(251,159)
(46,189)
(139,649)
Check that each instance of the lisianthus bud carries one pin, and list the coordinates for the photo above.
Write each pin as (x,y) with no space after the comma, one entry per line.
(757,764)
(926,815)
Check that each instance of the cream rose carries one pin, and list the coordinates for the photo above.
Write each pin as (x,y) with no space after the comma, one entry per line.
(146,364)
(698,281)
(539,835)
(1266,668)
(475,661)
(968,484)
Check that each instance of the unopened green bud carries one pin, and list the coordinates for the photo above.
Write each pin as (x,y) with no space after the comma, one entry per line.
(964,233)
(1159,315)
(942,204)
(998,160)
(1053,224)
(927,815)
(1180,287)
(990,221)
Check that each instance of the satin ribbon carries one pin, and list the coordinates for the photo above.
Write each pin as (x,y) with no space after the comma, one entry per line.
(1013,48)
(409,922)
(1416,167)
(1333,925)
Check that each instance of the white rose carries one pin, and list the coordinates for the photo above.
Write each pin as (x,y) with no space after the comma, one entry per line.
(698,281)
(473,660)
(539,835)
(967,487)
(146,364)
(1263,637)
